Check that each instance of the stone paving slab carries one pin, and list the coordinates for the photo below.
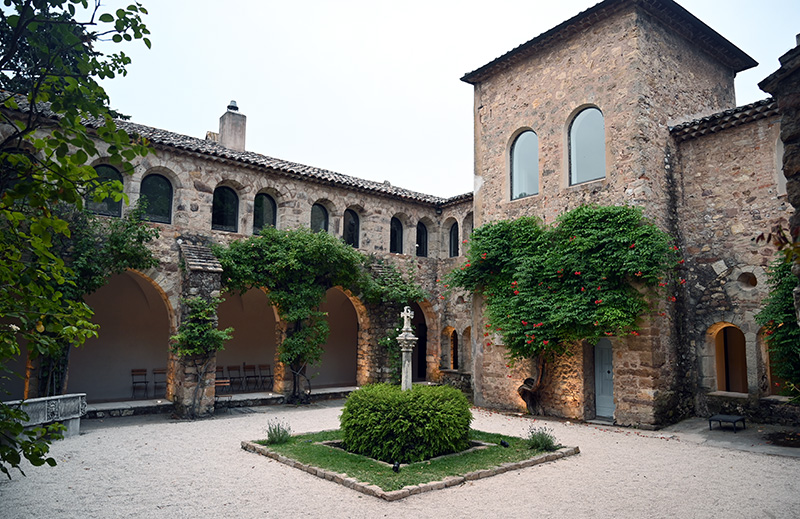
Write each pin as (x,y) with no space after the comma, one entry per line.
(395,495)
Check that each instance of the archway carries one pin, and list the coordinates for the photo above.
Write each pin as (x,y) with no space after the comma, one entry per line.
(339,362)
(253,343)
(419,356)
(731,359)
(134,319)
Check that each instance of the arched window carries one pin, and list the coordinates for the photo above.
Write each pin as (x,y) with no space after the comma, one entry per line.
(351,228)
(108,206)
(525,165)
(454,349)
(454,240)
(225,210)
(587,147)
(422,240)
(396,236)
(319,218)
(265,212)
(731,357)
(157,191)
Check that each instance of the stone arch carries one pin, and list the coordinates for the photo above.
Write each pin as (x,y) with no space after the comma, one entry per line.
(364,335)
(136,321)
(339,363)
(444,241)
(726,362)
(707,349)
(334,218)
(426,353)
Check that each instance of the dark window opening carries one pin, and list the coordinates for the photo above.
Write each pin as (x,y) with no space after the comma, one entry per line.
(156,190)
(351,228)
(265,212)
(107,206)
(454,240)
(422,240)
(396,236)
(225,210)
(319,218)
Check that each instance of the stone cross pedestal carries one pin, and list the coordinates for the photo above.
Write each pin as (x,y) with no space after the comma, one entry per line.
(406,339)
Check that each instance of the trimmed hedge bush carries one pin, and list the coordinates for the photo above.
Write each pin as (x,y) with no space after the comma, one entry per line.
(383,422)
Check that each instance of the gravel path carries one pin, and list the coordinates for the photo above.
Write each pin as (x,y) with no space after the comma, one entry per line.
(151,466)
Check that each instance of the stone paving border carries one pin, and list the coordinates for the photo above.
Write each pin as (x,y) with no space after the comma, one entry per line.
(394,495)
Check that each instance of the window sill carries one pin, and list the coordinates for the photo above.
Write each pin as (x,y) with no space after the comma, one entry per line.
(729,394)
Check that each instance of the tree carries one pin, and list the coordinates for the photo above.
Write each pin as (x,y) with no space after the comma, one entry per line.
(297,267)
(54,117)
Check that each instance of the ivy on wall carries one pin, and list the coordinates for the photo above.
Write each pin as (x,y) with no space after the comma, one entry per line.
(590,275)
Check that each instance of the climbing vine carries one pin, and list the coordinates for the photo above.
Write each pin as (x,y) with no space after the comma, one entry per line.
(779,320)
(587,277)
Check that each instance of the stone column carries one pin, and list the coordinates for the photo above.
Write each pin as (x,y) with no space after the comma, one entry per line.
(784,85)
(407,340)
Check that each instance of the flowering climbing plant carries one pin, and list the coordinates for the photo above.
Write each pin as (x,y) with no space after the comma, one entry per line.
(591,275)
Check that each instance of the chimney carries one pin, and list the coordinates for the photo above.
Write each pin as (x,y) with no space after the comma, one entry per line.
(232,126)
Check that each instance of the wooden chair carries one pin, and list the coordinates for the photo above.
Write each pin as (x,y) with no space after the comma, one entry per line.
(235,377)
(220,372)
(250,375)
(138,380)
(222,389)
(266,380)
(159,381)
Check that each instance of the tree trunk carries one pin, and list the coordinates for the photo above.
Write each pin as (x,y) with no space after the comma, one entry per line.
(529,390)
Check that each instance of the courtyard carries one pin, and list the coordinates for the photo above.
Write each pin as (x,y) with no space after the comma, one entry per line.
(154,466)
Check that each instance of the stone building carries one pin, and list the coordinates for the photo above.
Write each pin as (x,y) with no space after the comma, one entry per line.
(628,102)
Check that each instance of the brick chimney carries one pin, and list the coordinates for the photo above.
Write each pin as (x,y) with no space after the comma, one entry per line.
(232,126)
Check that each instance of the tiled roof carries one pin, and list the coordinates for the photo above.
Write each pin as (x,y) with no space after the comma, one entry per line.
(214,149)
(200,257)
(678,19)
(211,148)
(724,120)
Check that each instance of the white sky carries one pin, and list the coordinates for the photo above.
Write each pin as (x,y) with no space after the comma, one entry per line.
(370,88)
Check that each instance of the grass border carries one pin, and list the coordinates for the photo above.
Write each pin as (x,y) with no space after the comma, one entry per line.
(394,495)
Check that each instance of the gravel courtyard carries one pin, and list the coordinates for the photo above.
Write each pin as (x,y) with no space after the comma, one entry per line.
(152,466)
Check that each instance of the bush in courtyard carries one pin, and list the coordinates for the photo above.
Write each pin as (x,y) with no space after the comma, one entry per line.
(541,439)
(278,432)
(383,422)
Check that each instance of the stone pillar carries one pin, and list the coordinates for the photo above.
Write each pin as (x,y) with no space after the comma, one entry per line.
(193,387)
(407,340)
(784,85)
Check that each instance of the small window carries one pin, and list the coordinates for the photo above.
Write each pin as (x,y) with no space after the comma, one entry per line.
(587,147)
(156,190)
(351,228)
(422,240)
(396,236)
(454,240)
(525,165)
(107,206)
(454,350)
(265,212)
(319,218)
(225,210)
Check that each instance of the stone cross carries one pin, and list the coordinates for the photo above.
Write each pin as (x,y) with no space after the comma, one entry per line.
(406,340)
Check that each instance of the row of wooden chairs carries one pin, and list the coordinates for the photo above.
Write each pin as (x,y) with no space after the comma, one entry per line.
(139,382)
(247,377)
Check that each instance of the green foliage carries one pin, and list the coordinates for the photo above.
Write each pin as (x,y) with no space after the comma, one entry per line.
(393,352)
(16,443)
(278,432)
(53,114)
(547,286)
(198,334)
(541,439)
(387,285)
(779,320)
(383,422)
(297,267)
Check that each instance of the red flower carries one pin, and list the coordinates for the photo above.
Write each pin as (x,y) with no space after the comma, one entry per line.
(545,342)
(633,245)
(513,283)
(528,342)
(597,323)
(599,288)
(467,265)
(672,298)
(609,333)
(662,284)
(524,323)
(674,247)
(465,241)
(639,273)
(441,297)
(583,289)
(486,334)
(597,302)
(516,292)
(488,325)
(681,262)
(683,281)
(635,333)
(577,273)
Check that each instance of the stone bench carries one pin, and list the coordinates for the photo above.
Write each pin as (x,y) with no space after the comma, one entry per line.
(66,409)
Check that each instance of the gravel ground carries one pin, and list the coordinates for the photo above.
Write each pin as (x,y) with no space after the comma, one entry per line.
(151,466)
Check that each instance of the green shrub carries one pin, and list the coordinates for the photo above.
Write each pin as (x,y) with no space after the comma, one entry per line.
(278,432)
(541,439)
(383,422)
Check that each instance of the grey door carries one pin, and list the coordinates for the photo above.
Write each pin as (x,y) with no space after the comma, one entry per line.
(604,379)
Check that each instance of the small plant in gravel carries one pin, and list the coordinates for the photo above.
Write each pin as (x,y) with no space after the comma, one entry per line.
(278,432)
(541,439)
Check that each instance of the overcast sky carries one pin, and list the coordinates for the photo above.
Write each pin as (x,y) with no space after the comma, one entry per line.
(370,88)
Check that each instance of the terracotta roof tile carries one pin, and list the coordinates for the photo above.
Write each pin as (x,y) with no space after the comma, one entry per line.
(724,120)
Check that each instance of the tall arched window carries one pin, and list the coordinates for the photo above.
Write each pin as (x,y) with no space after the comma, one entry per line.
(319,218)
(265,212)
(454,349)
(351,228)
(157,191)
(396,236)
(225,210)
(454,240)
(587,147)
(422,240)
(525,165)
(108,206)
